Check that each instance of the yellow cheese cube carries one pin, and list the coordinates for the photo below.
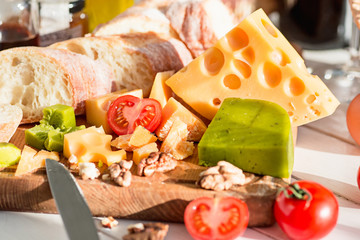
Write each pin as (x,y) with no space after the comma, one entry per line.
(160,91)
(253,60)
(144,152)
(91,145)
(141,136)
(175,142)
(174,110)
(31,160)
(96,108)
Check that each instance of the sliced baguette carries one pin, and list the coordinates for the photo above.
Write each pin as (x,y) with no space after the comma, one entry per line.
(10,118)
(137,19)
(135,58)
(33,78)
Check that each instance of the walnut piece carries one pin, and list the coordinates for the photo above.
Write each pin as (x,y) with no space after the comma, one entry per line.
(221,177)
(156,162)
(120,173)
(147,231)
(109,222)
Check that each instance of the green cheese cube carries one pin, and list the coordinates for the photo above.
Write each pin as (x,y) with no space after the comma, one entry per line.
(37,135)
(54,141)
(254,135)
(59,116)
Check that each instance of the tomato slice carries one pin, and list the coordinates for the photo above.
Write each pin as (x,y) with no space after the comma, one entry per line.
(216,218)
(127,112)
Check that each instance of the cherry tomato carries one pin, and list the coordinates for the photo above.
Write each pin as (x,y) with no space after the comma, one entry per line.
(353,119)
(127,112)
(306,210)
(216,218)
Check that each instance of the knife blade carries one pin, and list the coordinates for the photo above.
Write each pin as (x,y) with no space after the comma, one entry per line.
(70,202)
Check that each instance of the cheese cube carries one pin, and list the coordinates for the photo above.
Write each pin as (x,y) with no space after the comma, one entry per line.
(144,152)
(96,108)
(174,110)
(160,91)
(91,145)
(175,142)
(253,60)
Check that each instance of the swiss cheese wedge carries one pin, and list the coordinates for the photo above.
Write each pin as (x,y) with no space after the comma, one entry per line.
(254,60)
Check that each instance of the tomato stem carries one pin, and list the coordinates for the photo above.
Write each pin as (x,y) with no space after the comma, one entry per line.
(296,192)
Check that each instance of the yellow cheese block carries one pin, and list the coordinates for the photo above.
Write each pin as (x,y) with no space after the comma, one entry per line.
(31,160)
(254,60)
(174,110)
(96,108)
(91,145)
(144,152)
(141,136)
(175,142)
(160,91)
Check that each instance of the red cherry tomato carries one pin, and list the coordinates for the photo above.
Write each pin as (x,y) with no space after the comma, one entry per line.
(127,112)
(353,119)
(306,210)
(216,218)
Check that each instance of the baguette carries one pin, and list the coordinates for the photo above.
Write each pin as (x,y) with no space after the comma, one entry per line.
(135,58)
(137,19)
(33,78)
(10,118)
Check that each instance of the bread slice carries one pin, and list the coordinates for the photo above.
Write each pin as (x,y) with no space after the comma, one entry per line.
(134,57)
(200,23)
(10,118)
(33,78)
(137,19)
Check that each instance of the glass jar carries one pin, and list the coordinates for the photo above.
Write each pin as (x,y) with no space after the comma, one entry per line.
(61,20)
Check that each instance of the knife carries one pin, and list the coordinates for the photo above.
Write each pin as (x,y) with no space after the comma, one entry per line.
(70,202)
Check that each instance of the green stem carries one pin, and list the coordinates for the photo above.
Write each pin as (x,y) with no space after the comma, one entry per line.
(296,192)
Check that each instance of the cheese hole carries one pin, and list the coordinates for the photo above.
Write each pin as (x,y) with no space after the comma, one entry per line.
(92,139)
(315,111)
(213,60)
(279,57)
(97,157)
(290,113)
(272,74)
(244,69)
(232,81)
(237,39)
(216,101)
(297,86)
(269,28)
(249,55)
(310,99)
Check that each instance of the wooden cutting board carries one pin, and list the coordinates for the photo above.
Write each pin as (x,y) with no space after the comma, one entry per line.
(161,197)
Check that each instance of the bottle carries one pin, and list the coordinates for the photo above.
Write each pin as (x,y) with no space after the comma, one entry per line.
(19,23)
(102,11)
(62,20)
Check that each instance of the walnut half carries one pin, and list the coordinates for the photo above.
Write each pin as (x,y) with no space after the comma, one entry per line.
(120,173)
(156,162)
(221,177)
(148,231)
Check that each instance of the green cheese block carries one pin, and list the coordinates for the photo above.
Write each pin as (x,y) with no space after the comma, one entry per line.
(59,116)
(9,154)
(254,135)
(54,141)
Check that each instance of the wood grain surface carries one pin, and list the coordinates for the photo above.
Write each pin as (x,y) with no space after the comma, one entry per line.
(161,197)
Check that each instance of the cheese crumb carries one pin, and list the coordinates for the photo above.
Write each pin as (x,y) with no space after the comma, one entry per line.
(88,170)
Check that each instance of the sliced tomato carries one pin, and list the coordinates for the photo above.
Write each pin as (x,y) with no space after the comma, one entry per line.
(127,112)
(216,218)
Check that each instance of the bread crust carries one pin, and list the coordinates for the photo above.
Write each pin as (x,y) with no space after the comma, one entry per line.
(10,118)
(82,78)
(153,52)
